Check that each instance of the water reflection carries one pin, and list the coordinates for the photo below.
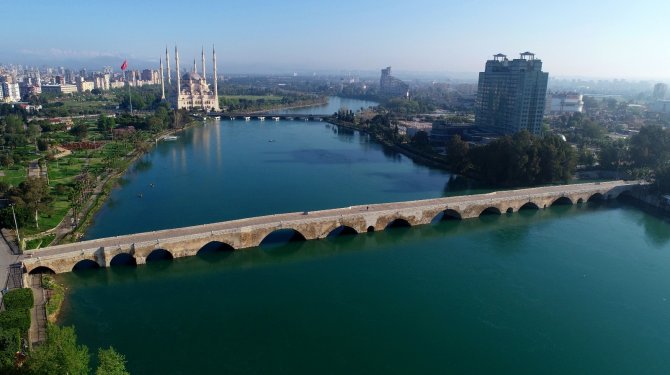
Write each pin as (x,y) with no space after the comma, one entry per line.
(509,230)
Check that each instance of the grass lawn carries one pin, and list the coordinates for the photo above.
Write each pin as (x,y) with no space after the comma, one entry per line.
(40,242)
(14,175)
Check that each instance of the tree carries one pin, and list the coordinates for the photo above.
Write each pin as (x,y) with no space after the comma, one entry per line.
(106,123)
(10,344)
(32,194)
(34,131)
(59,354)
(421,139)
(111,363)
(155,124)
(523,159)
(592,130)
(80,131)
(612,155)
(457,154)
(650,148)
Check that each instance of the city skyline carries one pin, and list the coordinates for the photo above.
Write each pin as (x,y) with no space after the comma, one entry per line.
(575,39)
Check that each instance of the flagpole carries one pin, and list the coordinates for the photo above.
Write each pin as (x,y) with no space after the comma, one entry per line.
(130,98)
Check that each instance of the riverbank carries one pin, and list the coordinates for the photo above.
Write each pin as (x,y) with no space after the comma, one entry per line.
(417,156)
(102,192)
(97,201)
(316,103)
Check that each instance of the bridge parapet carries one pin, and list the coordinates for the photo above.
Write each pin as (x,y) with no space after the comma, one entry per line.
(250,232)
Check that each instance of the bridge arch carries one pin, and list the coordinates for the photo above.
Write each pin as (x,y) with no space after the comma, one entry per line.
(123,259)
(448,214)
(280,236)
(490,211)
(562,201)
(398,223)
(529,206)
(370,229)
(85,264)
(342,230)
(214,247)
(40,270)
(625,194)
(596,197)
(159,254)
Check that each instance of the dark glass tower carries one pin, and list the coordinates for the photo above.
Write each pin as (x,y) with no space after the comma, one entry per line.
(511,95)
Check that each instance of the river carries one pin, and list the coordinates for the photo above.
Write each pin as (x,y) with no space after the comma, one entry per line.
(568,289)
(234,169)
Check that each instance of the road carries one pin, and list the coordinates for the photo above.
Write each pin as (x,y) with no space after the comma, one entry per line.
(299,216)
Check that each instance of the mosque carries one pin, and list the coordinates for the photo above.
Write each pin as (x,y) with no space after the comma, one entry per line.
(192,91)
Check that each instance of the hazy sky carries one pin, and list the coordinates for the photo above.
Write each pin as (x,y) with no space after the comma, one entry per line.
(573,37)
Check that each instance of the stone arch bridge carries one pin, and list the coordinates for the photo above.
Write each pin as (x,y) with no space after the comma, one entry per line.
(250,232)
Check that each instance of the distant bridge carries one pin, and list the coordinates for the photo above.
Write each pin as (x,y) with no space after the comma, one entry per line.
(274,117)
(245,233)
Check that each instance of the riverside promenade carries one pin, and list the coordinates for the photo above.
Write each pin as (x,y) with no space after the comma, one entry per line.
(250,232)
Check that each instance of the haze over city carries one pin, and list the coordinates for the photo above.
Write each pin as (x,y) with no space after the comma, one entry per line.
(613,39)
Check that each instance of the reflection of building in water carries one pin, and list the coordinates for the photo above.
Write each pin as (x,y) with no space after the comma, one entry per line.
(192,90)
(392,86)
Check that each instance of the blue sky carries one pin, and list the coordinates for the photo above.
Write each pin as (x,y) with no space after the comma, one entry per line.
(574,38)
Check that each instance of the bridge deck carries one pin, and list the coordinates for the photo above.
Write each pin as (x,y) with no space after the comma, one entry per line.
(287,218)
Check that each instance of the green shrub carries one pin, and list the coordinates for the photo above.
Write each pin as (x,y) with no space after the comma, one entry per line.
(10,343)
(19,299)
(15,319)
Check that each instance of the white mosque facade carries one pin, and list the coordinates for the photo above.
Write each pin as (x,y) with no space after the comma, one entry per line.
(192,91)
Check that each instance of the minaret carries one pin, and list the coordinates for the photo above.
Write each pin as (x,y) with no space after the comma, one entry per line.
(167,61)
(195,69)
(204,71)
(176,57)
(162,81)
(216,80)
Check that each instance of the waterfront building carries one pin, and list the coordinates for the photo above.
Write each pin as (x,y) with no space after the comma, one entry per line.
(567,102)
(392,86)
(193,92)
(511,95)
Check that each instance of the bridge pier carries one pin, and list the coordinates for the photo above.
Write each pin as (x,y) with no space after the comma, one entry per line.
(247,233)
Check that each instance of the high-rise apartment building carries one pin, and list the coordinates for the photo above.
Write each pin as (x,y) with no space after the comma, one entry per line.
(392,86)
(660,89)
(511,95)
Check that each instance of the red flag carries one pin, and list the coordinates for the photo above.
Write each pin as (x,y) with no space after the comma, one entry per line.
(124,65)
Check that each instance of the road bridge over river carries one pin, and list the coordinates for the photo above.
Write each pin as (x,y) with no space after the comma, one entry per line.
(246,233)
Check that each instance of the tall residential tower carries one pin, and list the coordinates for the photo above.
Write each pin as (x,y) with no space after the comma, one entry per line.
(511,95)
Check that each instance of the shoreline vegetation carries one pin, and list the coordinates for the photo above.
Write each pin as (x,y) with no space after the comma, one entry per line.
(66,220)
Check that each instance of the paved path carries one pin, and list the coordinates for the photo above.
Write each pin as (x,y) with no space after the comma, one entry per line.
(38,321)
(299,216)
(7,258)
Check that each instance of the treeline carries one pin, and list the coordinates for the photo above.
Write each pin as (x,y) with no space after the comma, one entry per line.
(518,160)
(251,103)
(143,98)
(645,155)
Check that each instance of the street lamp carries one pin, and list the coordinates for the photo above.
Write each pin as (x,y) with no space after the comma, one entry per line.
(18,236)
